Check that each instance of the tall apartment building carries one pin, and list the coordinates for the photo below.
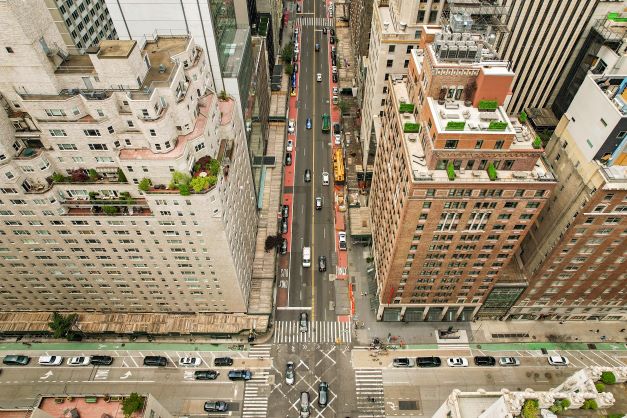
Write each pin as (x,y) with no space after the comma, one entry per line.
(574,256)
(394,31)
(457,184)
(542,41)
(82,23)
(92,148)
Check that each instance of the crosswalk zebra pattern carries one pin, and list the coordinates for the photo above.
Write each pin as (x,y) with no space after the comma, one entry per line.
(260,351)
(317,332)
(369,388)
(315,21)
(459,346)
(256,394)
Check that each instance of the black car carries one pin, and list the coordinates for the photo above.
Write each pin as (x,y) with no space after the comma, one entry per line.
(323,394)
(332,31)
(334,55)
(206,375)
(332,40)
(485,361)
(307,176)
(16,360)
(223,361)
(218,406)
(101,360)
(240,375)
(334,77)
(428,361)
(333,62)
(155,361)
(336,128)
(288,158)
(284,226)
(322,263)
(285,211)
(324,30)
(283,247)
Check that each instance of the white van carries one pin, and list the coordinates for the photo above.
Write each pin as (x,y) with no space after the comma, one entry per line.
(306,257)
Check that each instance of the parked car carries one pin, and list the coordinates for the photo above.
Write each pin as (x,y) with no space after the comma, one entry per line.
(402,362)
(337,129)
(484,361)
(308,123)
(334,78)
(324,30)
(78,361)
(303,322)
(206,375)
(283,248)
(190,361)
(457,362)
(304,404)
(291,126)
(155,361)
(509,361)
(16,360)
(290,146)
(290,375)
(336,90)
(292,91)
(295,67)
(428,362)
(284,226)
(331,38)
(223,361)
(342,240)
(338,139)
(323,394)
(50,360)
(332,31)
(318,203)
(558,361)
(285,211)
(240,375)
(101,360)
(218,406)
(288,158)
(322,263)
(334,69)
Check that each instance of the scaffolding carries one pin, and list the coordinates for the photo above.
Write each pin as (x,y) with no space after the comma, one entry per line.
(486,16)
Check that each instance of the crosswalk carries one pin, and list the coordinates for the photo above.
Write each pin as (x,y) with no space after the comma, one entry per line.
(459,346)
(317,332)
(260,351)
(369,388)
(256,394)
(317,21)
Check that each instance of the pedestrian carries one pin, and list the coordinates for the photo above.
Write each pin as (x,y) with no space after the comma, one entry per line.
(598,331)
(365,293)
(622,330)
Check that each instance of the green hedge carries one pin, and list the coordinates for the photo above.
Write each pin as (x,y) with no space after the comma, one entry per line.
(450,170)
(496,125)
(522,117)
(410,128)
(600,387)
(590,404)
(406,108)
(530,409)
(455,125)
(488,104)
(537,143)
(492,172)
(608,378)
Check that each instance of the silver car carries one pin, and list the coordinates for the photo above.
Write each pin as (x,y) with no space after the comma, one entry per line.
(509,361)
(290,374)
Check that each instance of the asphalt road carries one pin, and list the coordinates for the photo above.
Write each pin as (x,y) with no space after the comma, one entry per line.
(308,287)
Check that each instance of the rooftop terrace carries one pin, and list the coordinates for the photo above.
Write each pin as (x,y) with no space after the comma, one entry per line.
(454,116)
(614,87)
(115,48)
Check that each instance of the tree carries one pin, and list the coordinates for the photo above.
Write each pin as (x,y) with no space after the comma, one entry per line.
(343,106)
(590,404)
(179,179)
(272,241)
(531,409)
(288,69)
(131,404)
(608,378)
(199,183)
(61,324)
(286,54)
(144,184)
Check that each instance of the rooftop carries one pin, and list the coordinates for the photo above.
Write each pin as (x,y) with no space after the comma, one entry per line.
(115,48)
(76,64)
(416,154)
(160,53)
(85,409)
(474,406)
(614,87)
(468,119)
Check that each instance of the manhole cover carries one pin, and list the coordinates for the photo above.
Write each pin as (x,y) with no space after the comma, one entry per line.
(407,405)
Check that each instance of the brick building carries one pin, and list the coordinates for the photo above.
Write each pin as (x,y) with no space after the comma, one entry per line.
(456,185)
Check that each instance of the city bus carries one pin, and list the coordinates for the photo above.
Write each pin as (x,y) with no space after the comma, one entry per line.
(326,123)
(338,165)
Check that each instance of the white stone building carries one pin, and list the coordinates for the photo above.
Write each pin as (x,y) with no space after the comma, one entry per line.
(77,136)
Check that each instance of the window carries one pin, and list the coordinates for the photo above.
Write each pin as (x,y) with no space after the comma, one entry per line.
(153,132)
(110,129)
(57,132)
(533,205)
(391,48)
(406,64)
(389,63)
(603,122)
(67,147)
(55,112)
(508,164)
(451,144)
(621,134)
(499,144)
(479,144)
(98,147)
(104,159)
(91,132)
(9,49)
(482,164)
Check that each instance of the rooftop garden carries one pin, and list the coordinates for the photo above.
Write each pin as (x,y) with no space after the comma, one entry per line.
(453,125)
(496,125)
(488,105)
(406,108)
(410,128)
(82,175)
(204,176)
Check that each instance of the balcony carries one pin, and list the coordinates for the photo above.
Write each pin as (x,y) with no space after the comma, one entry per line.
(158,114)
(33,148)
(102,175)
(109,211)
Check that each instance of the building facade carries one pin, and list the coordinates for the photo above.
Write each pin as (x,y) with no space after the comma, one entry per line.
(126,181)
(457,184)
(574,256)
(82,23)
(394,30)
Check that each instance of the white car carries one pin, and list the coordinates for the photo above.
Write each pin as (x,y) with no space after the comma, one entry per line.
(509,361)
(189,361)
(341,236)
(296,50)
(291,127)
(50,360)
(290,145)
(334,69)
(318,77)
(457,362)
(78,361)
(325,178)
(558,361)
(338,139)
(289,374)
(336,90)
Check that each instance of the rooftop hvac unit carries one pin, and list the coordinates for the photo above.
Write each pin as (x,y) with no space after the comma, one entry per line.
(444,51)
(437,45)
(453,51)
(463,52)
(457,36)
(446,36)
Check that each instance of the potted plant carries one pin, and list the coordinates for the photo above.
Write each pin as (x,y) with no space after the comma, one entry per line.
(144,184)
(450,171)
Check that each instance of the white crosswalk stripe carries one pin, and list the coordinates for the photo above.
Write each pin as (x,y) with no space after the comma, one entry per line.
(369,388)
(260,351)
(453,347)
(255,402)
(318,332)
(318,21)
